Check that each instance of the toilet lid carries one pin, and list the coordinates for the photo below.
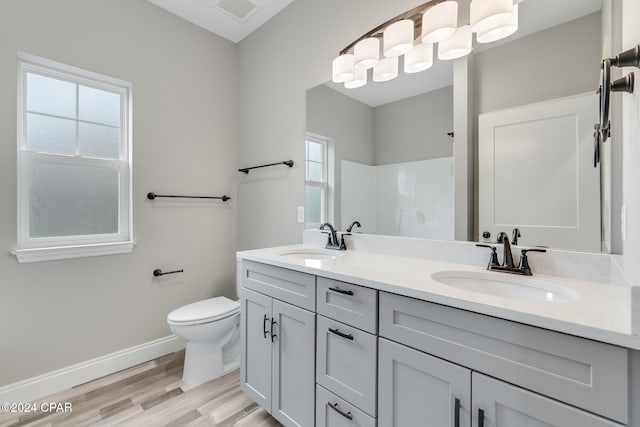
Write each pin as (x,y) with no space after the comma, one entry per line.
(209,309)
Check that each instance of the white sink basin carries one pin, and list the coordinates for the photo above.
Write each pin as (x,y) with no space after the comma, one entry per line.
(309,253)
(505,285)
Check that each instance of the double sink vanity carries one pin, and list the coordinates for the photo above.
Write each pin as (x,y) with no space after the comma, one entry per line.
(368,337)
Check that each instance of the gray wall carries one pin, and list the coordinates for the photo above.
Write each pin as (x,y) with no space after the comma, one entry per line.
(349,123)
(54,314)
(277,64)
(550,64)
(414,128)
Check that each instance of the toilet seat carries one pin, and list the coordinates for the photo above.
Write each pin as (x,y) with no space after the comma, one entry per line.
(204,311)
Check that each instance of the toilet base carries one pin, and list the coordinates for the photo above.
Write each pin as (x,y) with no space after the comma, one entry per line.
(202,362)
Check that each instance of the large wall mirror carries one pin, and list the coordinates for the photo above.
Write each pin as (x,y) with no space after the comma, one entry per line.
(393,142)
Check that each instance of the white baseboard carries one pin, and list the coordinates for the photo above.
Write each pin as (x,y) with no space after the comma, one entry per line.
(55,381)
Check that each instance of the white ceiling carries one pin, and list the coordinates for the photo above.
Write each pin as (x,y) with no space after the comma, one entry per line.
(212,15)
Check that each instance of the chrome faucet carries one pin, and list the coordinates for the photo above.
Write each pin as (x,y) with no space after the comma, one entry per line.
(507,265)
(353,224)
(332,240)
(508,255)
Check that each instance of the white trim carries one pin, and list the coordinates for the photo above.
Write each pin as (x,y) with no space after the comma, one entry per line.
(65,378)
(67,252)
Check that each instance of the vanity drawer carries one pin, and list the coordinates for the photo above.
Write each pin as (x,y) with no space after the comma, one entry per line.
(351,304)
(346,363)
(286,285)
(331,411)
(588,374)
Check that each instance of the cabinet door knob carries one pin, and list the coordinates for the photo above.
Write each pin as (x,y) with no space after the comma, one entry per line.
(341,334)
(273,336)
(456,413)
(335,407)
(264,327)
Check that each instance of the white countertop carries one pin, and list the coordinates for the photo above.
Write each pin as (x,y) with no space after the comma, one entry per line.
(602,312)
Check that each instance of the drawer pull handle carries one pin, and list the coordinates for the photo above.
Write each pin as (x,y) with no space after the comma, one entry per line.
(456,413)
(341,291)
(480,418)
(335,407)
(341,334)
(264,327)
(273,336)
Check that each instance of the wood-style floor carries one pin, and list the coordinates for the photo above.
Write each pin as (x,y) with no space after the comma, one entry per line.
(150,394)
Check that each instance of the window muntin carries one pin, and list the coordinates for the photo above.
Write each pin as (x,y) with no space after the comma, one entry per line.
(73,156)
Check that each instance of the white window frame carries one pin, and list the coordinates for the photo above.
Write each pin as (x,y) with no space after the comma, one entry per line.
(30,249)
(325,184)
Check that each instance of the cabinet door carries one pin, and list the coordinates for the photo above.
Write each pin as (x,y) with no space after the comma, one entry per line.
(293,367)
(498,404)
(416,389)
(255,359)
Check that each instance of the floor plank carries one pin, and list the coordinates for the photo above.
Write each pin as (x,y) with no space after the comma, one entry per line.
(150,394)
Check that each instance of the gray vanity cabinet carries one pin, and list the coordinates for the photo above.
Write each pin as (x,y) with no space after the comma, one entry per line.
(417,389)
(278,357)
(498,404)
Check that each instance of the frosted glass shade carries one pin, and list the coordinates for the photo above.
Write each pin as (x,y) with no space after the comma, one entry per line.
(397,38)
(419,58)
(342,68)
(366,53)
(386,69)
(456,46)
(488,14)
(439,22)
(359,79)
(501,31)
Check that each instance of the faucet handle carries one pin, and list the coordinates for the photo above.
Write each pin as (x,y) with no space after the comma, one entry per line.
(524,261)
(493,261)
(524,251)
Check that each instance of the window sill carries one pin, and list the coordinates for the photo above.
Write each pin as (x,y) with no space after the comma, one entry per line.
(69,252)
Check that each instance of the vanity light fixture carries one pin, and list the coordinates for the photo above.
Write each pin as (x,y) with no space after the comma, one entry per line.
(500,31)
(386,69)
(439,22)
(488,14)
(413,33)
(366,53)
(419,58)
(456,46)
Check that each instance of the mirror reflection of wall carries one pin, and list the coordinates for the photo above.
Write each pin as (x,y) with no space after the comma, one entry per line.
(393,160)
(551,56)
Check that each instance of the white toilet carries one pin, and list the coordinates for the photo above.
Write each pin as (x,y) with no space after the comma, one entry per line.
(212,330)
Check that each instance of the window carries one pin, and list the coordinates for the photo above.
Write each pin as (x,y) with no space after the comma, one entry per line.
(316,189)
(74,154)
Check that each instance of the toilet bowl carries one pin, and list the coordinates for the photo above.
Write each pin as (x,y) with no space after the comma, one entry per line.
(212,330)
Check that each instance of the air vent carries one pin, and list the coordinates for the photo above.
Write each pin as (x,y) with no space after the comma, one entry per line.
(239,9)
